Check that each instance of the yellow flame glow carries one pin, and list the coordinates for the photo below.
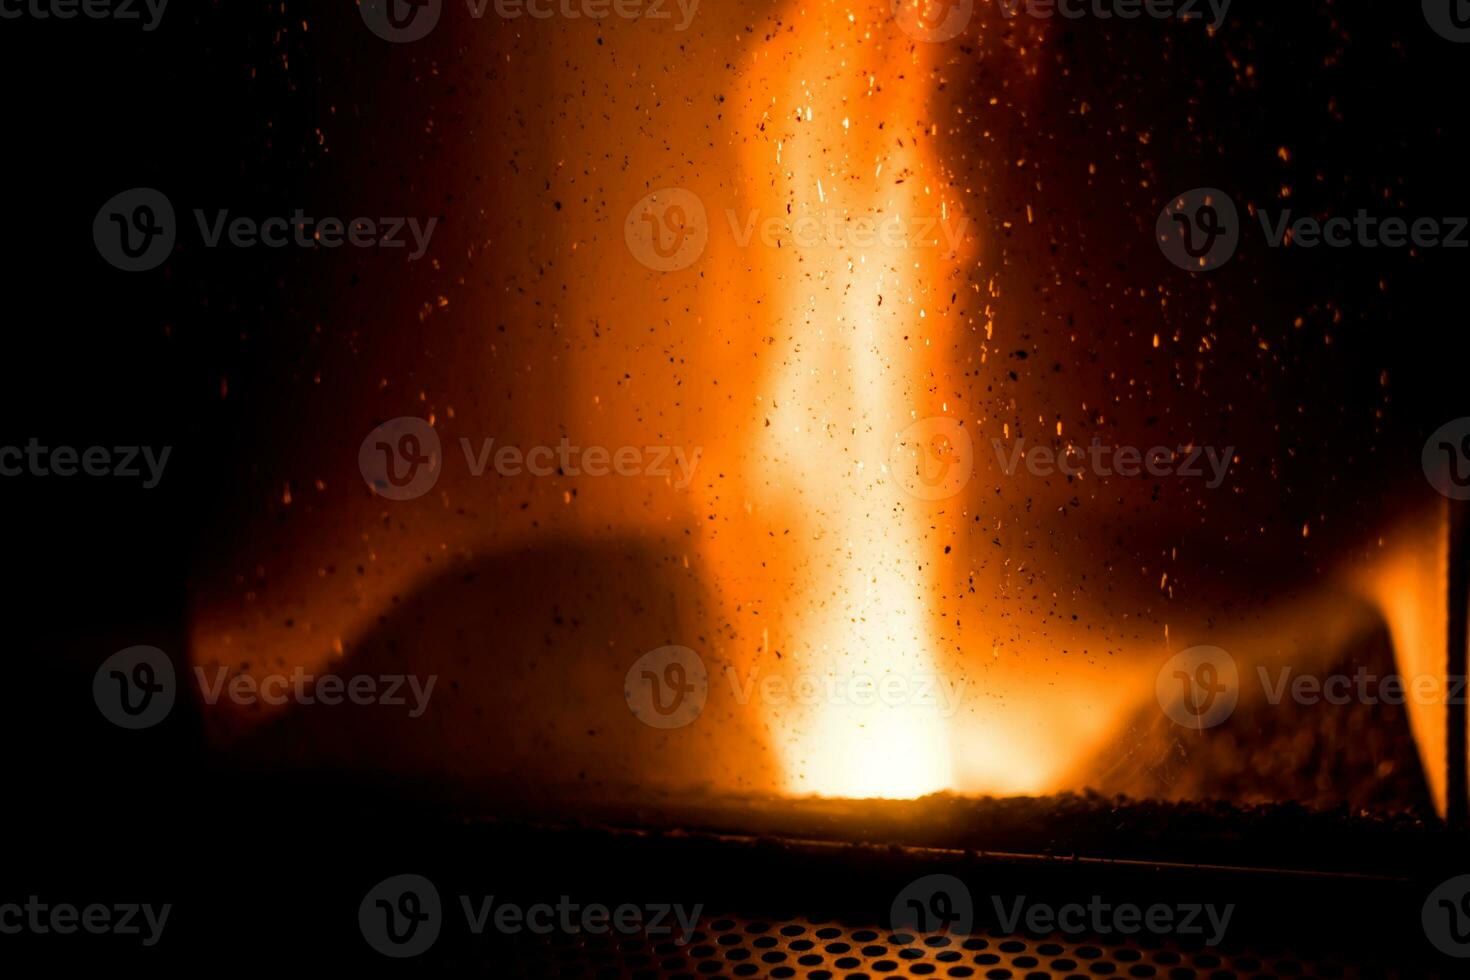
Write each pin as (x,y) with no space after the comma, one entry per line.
(842,163)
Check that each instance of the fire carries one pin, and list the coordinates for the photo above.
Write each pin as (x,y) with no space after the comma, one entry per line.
(831,356)
(868,238)
(1407,586)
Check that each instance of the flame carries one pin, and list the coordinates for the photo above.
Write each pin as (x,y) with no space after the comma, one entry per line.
(866,239)
(818,364)
(1408,585)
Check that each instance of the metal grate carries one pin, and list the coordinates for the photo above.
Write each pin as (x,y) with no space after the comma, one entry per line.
(824,950)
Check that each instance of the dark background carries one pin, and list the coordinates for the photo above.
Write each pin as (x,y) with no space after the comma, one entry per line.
(220,108)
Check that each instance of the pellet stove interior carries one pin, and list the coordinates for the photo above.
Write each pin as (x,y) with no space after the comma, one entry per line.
(872,501)
(925,275)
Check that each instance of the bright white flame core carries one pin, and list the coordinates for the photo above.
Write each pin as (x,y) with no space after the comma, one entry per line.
(852,379)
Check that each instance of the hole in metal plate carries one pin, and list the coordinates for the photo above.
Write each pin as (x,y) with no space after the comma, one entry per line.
(736,947)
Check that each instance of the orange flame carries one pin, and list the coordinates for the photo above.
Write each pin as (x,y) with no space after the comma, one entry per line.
(866,238)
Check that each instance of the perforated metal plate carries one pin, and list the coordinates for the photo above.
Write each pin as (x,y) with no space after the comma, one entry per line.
(739,947)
